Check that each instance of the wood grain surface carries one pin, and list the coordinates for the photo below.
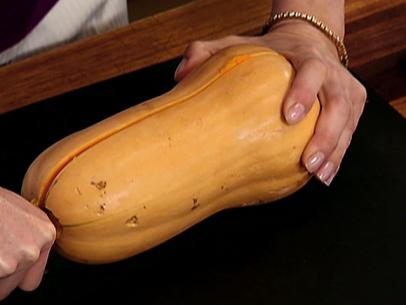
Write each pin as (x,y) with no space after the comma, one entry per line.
(376,42)
(375,39)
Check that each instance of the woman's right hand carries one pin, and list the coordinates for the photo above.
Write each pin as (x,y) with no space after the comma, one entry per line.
(26,238)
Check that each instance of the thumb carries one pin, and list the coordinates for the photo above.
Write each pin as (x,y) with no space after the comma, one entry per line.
(199,51)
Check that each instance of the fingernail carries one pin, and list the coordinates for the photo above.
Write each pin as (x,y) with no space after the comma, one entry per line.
(180,67)
(332,176)
(314,161)
(326,174)
(295,113)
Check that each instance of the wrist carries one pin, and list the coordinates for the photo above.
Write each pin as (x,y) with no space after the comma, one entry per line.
(330,12)
(307,26)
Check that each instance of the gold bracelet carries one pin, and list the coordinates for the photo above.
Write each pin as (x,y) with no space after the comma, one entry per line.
(338,42)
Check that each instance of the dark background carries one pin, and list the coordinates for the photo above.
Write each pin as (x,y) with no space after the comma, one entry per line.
(344,244)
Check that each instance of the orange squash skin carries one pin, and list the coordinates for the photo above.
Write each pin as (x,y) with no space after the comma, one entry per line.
(215,141)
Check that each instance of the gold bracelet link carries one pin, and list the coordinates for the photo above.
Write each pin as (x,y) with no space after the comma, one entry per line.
(338,42)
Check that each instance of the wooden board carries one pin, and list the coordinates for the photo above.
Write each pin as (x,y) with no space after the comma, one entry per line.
(376,41)
(375,33)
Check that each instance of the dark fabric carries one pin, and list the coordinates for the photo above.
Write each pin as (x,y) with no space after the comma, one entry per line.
(321,246)
(19,17)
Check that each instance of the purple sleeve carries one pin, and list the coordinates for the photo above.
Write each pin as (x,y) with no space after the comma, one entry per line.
(18,18)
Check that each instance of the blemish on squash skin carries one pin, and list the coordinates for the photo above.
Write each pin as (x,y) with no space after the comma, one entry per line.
(253,203)
(77,190)
(102,209)
(99,185)
(132,221)
(224,188)
(196,204)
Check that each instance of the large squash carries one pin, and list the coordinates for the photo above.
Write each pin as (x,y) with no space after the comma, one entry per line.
(138,178)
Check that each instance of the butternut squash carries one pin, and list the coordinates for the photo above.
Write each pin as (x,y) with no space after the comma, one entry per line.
(216,141)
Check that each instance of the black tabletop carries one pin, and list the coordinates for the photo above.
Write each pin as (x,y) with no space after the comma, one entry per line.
(343,244)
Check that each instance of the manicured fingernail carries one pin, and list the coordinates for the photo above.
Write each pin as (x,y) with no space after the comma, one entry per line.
(326,174)
(314,162)
(332,176)
(295,113)
(180,68)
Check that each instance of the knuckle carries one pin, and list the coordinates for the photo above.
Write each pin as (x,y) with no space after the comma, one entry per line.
(30,254)
(361,93)
(7,267)
(197,45)
(47,233)
(50,234)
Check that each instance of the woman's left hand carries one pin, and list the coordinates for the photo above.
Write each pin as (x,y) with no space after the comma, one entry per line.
(318,73)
